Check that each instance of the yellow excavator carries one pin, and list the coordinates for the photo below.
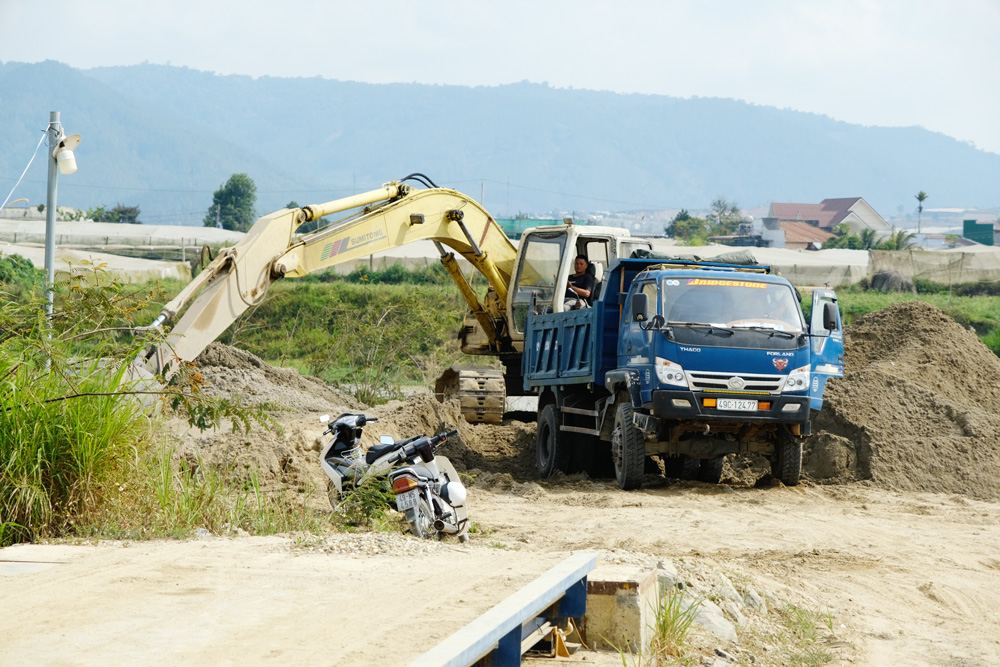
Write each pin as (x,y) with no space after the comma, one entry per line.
(394,215)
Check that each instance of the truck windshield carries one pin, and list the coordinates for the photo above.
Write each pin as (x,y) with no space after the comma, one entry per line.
(536,275)
(736,303)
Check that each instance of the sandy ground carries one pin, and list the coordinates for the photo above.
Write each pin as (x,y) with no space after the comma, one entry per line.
(909,578)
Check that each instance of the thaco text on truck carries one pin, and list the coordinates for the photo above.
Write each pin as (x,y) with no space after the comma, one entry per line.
(684,360)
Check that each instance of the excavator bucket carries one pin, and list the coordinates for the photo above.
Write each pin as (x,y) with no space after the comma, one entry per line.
(480,391)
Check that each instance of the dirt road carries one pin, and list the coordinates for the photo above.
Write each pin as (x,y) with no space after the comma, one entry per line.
(914,579)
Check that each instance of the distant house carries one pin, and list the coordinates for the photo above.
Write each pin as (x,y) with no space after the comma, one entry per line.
(808,225)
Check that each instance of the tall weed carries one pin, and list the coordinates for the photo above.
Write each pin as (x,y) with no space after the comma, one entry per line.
(72,422)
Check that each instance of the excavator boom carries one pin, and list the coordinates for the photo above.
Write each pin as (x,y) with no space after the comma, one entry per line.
(390,217)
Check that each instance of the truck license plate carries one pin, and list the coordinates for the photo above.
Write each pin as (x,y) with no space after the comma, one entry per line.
(407,501)
(737,404)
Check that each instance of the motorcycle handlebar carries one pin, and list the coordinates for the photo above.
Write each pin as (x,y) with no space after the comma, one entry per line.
(359,422)
(423,442)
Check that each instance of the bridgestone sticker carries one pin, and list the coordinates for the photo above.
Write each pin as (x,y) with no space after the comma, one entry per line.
(726,283)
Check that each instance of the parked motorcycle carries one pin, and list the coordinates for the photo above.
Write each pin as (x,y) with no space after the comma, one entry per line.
(427,488)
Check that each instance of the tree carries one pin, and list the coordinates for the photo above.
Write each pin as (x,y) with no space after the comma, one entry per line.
(692,231)
(867,238)
(681,216)
(233,204)
(897,241)
(725,216)
(921,198)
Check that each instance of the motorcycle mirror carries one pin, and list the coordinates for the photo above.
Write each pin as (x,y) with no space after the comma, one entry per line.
(386,440)
(324,419)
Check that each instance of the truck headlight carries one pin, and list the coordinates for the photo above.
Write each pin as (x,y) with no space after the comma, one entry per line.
(667,372)
(797,380)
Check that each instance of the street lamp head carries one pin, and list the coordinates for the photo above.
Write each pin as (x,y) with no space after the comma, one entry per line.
(63,153)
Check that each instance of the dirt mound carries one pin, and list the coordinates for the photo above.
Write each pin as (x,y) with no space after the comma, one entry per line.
(918,408)
(233,372)
(508,448)
(289,458)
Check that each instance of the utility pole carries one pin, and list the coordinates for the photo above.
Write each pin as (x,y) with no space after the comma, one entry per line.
(218,211)
(55,129)
(61,159)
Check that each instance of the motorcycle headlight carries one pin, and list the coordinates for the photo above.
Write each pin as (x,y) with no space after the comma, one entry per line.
(667,372)
(797,380)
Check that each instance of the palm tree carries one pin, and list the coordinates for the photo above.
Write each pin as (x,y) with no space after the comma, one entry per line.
(867,237)
(898,240)
(921,196)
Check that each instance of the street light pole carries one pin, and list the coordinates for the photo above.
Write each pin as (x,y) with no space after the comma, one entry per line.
(55,130)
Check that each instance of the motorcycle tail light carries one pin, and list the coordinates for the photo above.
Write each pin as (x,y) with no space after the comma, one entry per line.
(403,484)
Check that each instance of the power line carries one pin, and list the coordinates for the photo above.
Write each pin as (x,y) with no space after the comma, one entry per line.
(350,190)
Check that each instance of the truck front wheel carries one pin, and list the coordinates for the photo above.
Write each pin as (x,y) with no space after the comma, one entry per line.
(786,464)
(553,450)
(628,450)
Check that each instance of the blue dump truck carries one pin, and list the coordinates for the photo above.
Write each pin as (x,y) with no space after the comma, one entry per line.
(684,360)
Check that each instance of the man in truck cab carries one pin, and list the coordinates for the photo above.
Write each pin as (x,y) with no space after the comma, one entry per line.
(581,283)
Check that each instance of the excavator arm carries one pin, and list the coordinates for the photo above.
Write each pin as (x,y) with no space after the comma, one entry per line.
(390,217)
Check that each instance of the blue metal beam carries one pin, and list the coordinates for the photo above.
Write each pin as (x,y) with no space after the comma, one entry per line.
(498,631)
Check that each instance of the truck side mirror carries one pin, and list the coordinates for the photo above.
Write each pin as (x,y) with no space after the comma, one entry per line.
(829,316)
(640,306)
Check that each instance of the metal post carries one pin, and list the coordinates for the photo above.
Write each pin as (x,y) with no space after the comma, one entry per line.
(55,130)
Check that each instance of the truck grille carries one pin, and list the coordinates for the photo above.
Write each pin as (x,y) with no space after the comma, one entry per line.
(701,381)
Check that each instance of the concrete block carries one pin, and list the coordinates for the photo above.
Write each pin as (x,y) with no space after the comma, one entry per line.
(621,607)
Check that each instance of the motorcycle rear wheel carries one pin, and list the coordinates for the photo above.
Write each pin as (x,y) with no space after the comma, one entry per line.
(422,525)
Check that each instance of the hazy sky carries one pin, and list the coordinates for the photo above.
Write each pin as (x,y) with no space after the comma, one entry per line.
(876,62)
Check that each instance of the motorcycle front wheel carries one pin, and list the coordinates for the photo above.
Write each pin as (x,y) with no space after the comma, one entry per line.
(422,523)
(331,493)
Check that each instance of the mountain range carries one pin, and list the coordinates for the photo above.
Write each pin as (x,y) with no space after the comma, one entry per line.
(164,138)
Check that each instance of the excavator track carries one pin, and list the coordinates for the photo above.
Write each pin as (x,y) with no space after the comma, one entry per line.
(481,392)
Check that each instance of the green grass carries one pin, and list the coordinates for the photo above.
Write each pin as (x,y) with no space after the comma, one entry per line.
(805,649)
(79,452)
(372,337)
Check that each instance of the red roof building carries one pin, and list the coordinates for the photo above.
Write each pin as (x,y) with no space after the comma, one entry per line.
(789,225)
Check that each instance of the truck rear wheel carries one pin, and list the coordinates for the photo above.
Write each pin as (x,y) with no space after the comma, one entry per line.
(710,470)
(628,450)
(786,464)
(682,467)
(551,445)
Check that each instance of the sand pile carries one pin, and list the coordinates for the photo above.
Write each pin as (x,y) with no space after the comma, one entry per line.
(507,448)
(232,372)
(917,410)
(289,459)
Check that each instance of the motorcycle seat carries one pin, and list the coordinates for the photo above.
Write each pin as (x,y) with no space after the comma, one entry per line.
(378,451)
